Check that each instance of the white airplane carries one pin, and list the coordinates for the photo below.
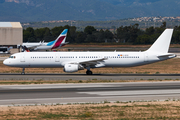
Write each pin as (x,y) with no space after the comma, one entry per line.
(74,61)
(59,42)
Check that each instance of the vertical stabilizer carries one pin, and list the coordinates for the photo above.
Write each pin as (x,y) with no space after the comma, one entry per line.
(61,39)
(161,45)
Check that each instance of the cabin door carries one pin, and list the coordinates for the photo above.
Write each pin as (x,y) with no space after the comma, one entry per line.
(145,57)
(57,57)
(22,57)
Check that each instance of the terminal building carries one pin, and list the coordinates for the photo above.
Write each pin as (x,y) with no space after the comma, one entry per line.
(11,34)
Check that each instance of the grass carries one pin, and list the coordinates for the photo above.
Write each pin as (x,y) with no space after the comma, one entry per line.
(26,82)
(171,66)
(115,111)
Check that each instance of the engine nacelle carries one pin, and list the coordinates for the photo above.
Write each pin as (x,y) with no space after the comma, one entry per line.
(72,68)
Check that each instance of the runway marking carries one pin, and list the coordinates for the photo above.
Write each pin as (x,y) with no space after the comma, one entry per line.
(137,92)
(48,87)
(76,98)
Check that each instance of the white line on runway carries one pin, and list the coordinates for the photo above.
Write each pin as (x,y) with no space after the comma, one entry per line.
(137,92)
(81,85)
(79,98)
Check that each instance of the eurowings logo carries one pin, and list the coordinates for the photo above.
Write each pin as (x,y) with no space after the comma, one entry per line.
(60,39)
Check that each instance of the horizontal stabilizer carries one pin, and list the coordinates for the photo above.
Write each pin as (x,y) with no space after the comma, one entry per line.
(166,55)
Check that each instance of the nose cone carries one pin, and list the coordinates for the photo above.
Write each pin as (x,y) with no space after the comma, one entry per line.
(6,62)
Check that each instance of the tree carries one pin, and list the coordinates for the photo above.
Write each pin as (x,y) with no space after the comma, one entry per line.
(72,34)
(150,31)
(128,33)
(176,35)
(56,31)
(142,39)
(108,35)
(100,36)
(90,38)
(39,34)
(47,35)
(28,35)
(89,29)
(122,34)
(163,25)
(81,36)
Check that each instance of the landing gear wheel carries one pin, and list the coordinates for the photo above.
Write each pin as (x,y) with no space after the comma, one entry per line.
(23,73)
(88,72)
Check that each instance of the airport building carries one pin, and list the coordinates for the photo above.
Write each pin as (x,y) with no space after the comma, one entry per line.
(11,33)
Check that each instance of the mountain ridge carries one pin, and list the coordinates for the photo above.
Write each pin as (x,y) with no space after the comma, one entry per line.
(94,10)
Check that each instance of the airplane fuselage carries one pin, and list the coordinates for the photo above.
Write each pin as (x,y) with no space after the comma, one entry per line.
(43,46)
(59,59)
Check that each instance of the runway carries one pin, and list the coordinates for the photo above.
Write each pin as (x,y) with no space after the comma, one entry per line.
(85,93)
(44,76)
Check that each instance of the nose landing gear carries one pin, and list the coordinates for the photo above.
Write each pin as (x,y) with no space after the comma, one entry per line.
(23,73)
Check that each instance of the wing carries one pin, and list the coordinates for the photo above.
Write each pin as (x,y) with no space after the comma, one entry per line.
(90,63)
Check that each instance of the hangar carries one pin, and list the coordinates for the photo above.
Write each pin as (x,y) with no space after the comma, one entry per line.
(11,33)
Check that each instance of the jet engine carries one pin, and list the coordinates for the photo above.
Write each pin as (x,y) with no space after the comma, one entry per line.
(72,68)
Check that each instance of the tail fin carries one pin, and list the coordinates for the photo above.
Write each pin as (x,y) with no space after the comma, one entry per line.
(61,39)
(161,45)
(25,49)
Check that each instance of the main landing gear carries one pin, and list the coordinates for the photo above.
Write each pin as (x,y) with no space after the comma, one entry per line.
(88,72)
(23,73)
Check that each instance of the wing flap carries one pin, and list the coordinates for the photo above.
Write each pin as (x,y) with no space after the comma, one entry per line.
(94,62)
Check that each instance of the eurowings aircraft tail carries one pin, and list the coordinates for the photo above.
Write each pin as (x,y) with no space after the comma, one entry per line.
(60,40)
(161,45)
(25,49)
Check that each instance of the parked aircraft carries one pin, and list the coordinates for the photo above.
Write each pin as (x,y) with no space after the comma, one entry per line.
(74,61)
(59,42)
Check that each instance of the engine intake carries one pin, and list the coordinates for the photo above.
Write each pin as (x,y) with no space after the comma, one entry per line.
(72,68)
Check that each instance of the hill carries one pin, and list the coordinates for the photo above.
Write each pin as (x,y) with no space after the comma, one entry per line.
(87,10)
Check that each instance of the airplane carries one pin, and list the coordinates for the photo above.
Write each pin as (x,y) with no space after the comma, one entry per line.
(74,61)
(59,42)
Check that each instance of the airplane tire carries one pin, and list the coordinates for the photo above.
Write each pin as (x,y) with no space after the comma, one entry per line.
(88,72)
(23,73)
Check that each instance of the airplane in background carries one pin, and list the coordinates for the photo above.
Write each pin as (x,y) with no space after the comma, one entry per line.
(74,61)
(59,42)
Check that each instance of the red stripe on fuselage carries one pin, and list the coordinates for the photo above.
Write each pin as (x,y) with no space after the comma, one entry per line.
(59,41)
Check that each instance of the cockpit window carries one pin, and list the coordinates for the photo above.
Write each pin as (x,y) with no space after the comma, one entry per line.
(12,57)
